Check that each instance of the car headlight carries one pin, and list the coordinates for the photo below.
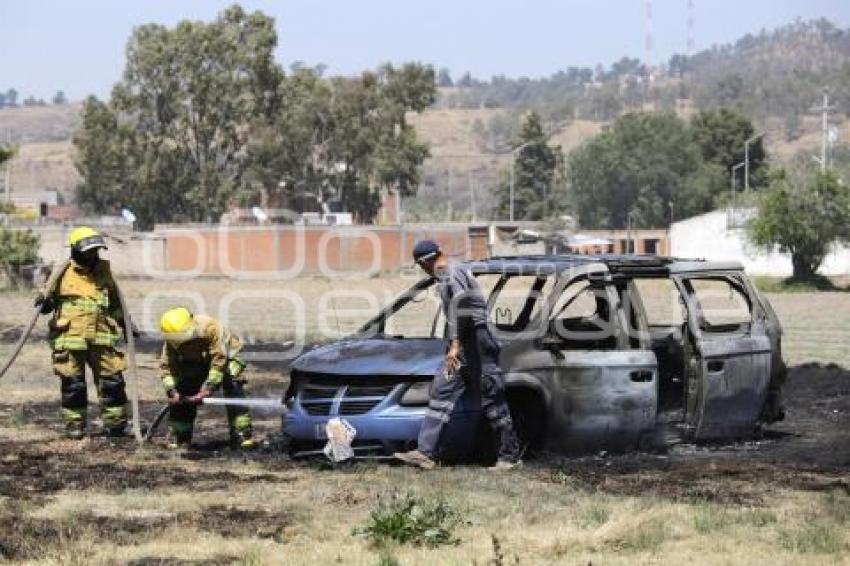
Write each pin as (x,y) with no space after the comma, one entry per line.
(416,394)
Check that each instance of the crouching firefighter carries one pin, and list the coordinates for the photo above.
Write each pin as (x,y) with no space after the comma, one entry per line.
(470,340)
(85,328)
(199,357)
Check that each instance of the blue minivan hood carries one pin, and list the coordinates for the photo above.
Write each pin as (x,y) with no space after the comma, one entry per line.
(374,356)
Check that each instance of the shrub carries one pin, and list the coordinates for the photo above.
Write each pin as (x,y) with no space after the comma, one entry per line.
(408,519)
(18,249)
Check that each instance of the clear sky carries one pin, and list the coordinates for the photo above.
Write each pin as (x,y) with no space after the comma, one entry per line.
(78,45)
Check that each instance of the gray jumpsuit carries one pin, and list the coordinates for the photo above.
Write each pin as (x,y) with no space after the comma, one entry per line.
(466,315)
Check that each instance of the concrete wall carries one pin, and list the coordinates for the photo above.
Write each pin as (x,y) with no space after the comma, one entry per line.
(286,251)
(708,236)
(130,253)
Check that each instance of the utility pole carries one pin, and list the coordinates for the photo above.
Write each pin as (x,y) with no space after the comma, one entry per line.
(747,160)
(732,182)
(7,181)
(513,156)
(472,195)
(449,192)
(512,187)
(824,110)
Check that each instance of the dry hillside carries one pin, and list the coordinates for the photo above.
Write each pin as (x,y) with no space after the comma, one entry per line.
(45,156)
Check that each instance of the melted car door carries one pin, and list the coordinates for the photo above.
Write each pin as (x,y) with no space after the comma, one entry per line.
(604,389)
(729,356)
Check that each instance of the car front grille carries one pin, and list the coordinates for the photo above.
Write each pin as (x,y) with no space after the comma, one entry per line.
(322,409)
(320,399)
(357,407)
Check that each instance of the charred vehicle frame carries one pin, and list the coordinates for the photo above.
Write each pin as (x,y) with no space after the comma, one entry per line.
(598,352)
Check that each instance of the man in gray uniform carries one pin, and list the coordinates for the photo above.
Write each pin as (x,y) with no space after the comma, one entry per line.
(470,340)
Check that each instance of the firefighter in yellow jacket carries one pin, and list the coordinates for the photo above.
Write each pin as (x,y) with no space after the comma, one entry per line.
(85,328)
(200,356)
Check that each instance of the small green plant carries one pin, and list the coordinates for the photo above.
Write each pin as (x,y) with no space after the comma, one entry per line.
(648,537)
(757,517)
(386,559)
(817,538)
(837,506)
(710,518)
(593,516)
(408,519)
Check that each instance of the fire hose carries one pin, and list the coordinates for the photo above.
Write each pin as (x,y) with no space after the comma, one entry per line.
(48,288)
(267,403)
(133,369)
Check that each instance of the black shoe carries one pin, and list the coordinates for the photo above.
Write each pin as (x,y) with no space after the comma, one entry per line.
(116,432)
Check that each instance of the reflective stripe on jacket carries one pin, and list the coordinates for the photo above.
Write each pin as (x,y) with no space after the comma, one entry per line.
(88,311)
(210,354)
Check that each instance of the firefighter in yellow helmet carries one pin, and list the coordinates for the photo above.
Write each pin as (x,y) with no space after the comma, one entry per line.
(199,356)
(85,328)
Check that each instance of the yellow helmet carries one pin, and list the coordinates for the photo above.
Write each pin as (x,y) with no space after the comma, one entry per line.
(84,238)
(177,325)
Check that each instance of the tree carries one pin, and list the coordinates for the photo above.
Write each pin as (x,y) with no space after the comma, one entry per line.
(18,249)
(642,165)
(123,168)
(536,193)
(444,78)
(373,147)
(6,154)
(466,80)
(11,97)
(679,65)
(204,119)
(803,216)
(720,136)
(186,100)
(59,98)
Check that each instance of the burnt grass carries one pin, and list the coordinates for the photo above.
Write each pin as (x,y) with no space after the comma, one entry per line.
(27,538)
(28,473)
(809,451)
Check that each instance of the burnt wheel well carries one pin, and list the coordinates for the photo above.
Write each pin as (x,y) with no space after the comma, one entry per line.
(528,411)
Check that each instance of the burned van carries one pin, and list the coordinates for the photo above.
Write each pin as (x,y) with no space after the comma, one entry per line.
(598,352)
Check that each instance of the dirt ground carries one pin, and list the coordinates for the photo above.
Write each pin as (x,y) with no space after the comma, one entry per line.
(107,502)
(780,499)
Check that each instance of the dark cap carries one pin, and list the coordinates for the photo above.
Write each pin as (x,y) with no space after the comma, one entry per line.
(425,250)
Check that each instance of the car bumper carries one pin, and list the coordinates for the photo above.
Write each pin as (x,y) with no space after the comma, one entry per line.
(379,432)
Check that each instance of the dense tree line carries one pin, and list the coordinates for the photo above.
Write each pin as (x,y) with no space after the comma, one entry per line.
(9,99)
(652,168)
(205,119)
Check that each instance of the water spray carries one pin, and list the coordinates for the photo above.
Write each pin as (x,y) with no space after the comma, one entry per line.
(256,403)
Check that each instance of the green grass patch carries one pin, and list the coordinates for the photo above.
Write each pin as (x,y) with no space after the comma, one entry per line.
(709,517)
(593,516)
(816,538)
(408,519)
(648,537)
(756,517)
(837,506)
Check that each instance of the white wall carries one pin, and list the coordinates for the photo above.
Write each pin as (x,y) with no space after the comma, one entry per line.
(706,236)
(129,253)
